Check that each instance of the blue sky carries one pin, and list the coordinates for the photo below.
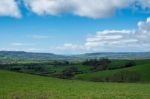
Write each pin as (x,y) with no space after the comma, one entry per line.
(65,31)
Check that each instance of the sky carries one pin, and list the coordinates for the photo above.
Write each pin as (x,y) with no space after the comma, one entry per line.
(75,26)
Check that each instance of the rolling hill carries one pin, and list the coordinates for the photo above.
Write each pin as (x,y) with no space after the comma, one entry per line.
(13,56)
(25,86)
(142,69)
(117,55)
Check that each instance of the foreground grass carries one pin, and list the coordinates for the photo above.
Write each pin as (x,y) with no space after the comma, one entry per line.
(24,86)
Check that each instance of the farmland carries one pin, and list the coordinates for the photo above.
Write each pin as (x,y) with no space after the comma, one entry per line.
(25,86)
(142,68)
(100,78)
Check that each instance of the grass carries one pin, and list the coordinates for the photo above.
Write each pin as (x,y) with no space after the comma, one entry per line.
(25,86)
(117,63)
(142,68)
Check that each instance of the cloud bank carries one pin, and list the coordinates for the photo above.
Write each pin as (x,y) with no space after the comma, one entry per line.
(84,8)
(115,40)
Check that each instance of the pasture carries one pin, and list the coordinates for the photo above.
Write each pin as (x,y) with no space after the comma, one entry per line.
(25,86)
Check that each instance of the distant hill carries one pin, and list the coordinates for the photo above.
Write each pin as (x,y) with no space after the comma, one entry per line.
(117,55)
(28,56)
(11,56)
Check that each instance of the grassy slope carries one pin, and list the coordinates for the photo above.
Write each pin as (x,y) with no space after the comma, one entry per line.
(116,63)
(24,86)
(142,68)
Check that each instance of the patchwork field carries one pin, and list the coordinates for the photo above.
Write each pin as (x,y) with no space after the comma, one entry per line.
(25,86)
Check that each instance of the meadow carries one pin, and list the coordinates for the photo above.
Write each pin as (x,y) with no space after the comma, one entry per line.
(142,68)
(25,86)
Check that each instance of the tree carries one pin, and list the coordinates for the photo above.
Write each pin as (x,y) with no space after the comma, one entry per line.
(130,63)
(125,76)
(98,64)
(102,64)
(69,72)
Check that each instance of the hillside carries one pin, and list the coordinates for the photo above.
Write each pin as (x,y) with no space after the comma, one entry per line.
(15,56)
(141,69)
(117,55)
(24,86)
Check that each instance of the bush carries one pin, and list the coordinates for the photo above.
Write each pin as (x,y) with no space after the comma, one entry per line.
(66,63)
(15,69)
(69,72)
(125,76)
(130,63)
(98,64)
(103,64)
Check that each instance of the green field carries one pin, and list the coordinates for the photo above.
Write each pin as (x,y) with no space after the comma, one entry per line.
(25,86)
(142,68)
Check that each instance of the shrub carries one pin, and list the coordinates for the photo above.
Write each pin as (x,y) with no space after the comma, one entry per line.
(61,63)
(130,63)
(125,76)
(103,64)
(15,69)
(98,64)
(69,72)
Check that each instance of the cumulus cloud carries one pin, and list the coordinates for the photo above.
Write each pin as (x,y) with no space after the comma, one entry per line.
(85,8)
(132,40)
(143,33)
(109,38)
(88,8)
(9,8)
(145,3)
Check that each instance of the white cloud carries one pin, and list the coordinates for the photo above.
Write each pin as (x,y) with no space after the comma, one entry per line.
(136,40)
(144,31)
(109,38)
(145,3)
(21,44)
(87,8)
(23,49)
(68,46)
(9,8)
